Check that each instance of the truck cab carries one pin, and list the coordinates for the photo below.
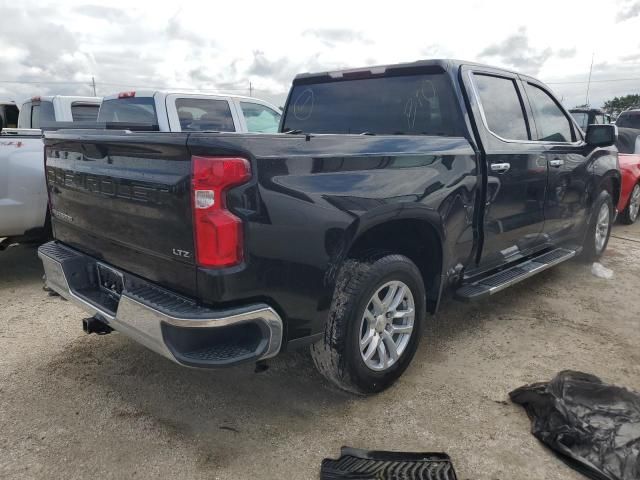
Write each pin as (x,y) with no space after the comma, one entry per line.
(190,112)
(588,116)
(40,111)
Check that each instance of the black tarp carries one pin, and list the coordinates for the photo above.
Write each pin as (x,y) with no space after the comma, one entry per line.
(594,427)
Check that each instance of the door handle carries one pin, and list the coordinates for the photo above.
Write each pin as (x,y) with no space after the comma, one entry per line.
(556,162)
(500,167)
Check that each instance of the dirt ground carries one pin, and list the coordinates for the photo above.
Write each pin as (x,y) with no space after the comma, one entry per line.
(83,406)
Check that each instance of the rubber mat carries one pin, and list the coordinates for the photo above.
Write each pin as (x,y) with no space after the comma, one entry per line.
(381,465)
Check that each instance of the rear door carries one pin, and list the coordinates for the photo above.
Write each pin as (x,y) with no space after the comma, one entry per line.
(565,208)
(200,113)
(125,198)
(516,167)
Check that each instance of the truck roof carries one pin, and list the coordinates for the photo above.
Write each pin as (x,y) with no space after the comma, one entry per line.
(586,110)
(444,64)
(164,93)
(72,98)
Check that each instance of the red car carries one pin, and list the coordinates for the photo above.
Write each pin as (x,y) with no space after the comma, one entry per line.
(628,144)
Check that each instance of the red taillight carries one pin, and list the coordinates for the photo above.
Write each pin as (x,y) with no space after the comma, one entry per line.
(217,232)
(126,94)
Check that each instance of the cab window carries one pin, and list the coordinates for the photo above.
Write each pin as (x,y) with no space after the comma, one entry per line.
(42,114)
(551,123)
(204,114)
(502,106)
(24,118)
(259,118)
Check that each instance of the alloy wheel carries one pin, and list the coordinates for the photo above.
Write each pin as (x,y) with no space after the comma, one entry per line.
(387,325)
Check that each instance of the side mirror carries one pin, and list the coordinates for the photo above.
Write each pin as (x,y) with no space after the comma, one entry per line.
(601,135)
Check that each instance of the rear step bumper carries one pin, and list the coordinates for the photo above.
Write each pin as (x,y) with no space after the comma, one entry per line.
(167,323)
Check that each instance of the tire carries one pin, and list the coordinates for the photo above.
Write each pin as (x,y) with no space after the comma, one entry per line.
(595,245)
(338,354)
(630,213)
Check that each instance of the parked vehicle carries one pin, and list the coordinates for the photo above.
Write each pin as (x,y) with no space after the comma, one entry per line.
(189,112)
(588,116)
(8,115)
(628,143)
(629,118)
(392,186)
(23,195)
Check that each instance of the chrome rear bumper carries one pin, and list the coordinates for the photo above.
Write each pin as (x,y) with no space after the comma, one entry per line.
(163,321)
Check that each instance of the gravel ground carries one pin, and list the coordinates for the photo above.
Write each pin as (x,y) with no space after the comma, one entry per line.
(79,406)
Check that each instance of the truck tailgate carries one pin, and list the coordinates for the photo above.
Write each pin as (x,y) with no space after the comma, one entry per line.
(125,198)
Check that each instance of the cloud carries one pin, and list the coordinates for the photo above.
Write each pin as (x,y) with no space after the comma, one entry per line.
(516,52)
(566,52)
(101,12)
(134,45)
(629,11)
(333,36)
(176,31)
(262,66)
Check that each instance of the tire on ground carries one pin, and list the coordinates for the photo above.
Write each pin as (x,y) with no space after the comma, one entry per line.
(337,355)
(590,250)
(626,217)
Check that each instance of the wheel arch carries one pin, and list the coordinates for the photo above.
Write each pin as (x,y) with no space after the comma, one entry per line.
(418,237)
(611,182)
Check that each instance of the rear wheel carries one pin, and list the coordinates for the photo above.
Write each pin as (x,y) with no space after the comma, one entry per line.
(374,325)
(630,213)
(599,229)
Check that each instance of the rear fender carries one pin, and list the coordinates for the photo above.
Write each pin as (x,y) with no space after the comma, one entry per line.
(414,212)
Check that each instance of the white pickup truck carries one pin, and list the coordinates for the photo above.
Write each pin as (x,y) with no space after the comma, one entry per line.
(23,196)
(179,112)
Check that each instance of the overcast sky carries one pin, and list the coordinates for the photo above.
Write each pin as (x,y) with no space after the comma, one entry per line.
(223,46)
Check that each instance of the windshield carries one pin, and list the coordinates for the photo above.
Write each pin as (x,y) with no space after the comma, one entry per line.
(629,120)
(128,110)
(394,105)
(582,118)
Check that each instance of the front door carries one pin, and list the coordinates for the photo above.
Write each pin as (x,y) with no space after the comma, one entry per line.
(516,167)
(566,200)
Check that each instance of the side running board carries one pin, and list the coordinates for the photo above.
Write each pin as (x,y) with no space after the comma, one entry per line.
(499,281)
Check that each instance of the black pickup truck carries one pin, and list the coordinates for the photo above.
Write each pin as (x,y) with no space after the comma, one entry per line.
(386,188)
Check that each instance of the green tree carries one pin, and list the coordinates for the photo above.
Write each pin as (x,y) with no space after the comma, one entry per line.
(619,104)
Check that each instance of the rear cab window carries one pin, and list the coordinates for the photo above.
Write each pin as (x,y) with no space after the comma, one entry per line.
(42,114)
(204,114)
(402,104)
(139,110)
(24,118)
(84,112)
(260,118)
